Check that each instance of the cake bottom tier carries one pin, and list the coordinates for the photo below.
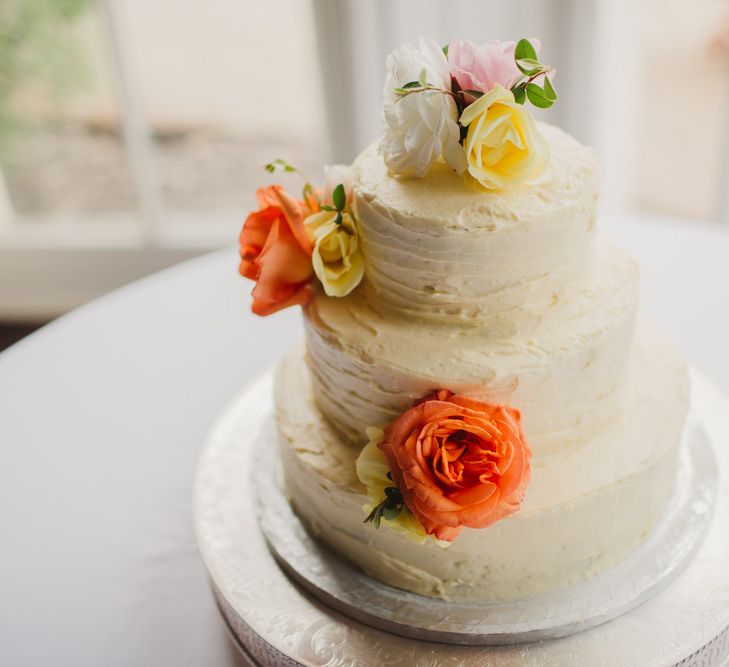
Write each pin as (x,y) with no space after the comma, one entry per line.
(586,507)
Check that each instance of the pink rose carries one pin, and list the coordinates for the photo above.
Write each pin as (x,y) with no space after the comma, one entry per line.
(482,67)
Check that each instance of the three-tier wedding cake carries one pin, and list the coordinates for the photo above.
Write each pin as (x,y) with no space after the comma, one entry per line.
(476,411)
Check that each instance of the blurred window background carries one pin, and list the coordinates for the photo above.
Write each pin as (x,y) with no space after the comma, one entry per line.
(133,133)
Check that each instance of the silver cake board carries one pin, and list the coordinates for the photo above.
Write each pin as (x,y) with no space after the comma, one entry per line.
(278,623)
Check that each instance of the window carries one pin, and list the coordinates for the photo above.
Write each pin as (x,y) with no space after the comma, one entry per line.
(133,134)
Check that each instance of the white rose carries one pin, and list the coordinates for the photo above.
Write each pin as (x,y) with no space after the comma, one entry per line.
(420,127)
(337,256)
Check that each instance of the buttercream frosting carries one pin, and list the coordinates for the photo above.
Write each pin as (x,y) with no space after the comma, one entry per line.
(443,247)
(512,297)
(565,375)
(585,508)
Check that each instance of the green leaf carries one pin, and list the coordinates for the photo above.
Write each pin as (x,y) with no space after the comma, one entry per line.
(338,220)
(445,50)
(326,207)
(411,84)
(339,197)
(549,92)
(519,93)
(277,164)
(537,96)
(529,66)
(524,49)
(375,515)
(389,508)
(389,512)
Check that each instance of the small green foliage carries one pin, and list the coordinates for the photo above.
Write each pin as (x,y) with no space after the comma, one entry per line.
(524,49)
(389,508)
(537,96)
(519,93)
(526,87)
(391,513)
(339,197)
(279,165)
(409,87)
(549,92)
(529,66)
(326,207)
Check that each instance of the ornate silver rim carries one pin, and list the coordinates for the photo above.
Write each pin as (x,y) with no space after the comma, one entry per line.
(605,596)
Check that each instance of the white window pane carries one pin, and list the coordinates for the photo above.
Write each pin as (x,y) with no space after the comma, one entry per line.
(60,142)
(225,86)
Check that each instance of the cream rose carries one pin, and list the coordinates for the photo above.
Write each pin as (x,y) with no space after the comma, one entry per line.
(372,472)
(337,256)
(503,145)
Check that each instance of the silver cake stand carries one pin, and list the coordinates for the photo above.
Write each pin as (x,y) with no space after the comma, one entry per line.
(669,602)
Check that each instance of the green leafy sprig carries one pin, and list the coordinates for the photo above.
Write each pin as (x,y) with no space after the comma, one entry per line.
(528,63)
(541,96)
(309,192)
(417,86)
(280,165)
(339,199)
(388,509)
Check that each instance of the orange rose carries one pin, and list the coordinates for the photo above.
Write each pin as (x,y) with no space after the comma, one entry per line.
(275,251)
(458,461)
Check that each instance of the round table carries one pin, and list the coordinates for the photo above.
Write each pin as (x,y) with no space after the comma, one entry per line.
(103,414)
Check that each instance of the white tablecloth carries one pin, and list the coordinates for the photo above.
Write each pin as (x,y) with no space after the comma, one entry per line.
(102,416)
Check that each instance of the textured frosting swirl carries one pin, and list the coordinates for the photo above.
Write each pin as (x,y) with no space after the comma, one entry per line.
(446,248)
(584,509)
(565,375)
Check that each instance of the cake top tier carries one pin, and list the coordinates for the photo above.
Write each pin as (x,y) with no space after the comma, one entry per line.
(444,247)
(467,209)
(445,200)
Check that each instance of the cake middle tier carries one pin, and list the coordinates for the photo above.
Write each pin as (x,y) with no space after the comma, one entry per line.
(565,375)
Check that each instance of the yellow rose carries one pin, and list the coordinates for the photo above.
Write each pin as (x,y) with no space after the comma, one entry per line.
(503,145)
(337,257)
(372,470)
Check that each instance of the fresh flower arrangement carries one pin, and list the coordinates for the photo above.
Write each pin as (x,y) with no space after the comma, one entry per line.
(464,104)
(287,242)
(448,462)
